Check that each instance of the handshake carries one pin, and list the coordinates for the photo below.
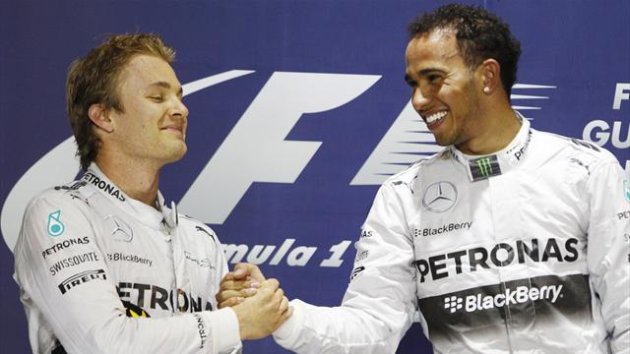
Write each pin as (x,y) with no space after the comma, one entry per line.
(259,303)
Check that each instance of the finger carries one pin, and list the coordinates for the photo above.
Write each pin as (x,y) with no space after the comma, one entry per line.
(270,284)
(228,276)
(278,295)
(229,285)
(238,284)
(231,302)
(248,269)
(240,272)
(285,316)
(284,304)
(289,312)
(248,292)
(227,294)
(243,293)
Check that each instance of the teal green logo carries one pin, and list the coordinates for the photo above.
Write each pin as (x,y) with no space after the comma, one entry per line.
(626,189)
(55,226)
(485,166)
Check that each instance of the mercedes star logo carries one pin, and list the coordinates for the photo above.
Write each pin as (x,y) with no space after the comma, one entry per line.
(121,231)
(440,197)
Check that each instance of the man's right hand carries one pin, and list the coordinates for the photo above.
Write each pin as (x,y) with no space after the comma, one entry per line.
(239,284)
(262,313)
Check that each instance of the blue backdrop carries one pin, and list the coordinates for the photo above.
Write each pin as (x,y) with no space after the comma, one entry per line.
(298,111)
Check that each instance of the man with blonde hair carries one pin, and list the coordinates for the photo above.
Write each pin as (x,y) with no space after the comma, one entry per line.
(103,264)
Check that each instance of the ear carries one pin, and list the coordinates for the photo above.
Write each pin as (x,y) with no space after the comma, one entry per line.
(99,115)
(490,76)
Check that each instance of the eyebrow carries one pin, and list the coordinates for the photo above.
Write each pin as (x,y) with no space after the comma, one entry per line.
(427,71)
(423,72)
(166,85)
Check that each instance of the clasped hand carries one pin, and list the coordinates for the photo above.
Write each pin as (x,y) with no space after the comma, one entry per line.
(259,303)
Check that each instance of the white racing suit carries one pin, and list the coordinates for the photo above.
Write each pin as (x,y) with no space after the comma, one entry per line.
(523,251)
(100,272)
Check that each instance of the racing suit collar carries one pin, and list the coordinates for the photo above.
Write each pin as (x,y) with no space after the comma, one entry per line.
(161,217)
(486,166)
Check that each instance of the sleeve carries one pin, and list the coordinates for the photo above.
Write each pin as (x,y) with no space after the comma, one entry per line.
(608,253)
(228,331)
(69,294)
(379,304)
(219,256)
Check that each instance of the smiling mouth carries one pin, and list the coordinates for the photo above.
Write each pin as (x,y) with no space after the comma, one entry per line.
(435,118)
(177,130)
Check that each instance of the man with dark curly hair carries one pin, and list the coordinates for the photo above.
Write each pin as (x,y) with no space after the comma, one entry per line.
(508,240)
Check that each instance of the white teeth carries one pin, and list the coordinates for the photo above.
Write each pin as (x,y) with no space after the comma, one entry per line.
(435,116)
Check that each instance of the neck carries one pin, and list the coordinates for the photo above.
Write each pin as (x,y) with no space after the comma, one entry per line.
(138,181)
(494,131)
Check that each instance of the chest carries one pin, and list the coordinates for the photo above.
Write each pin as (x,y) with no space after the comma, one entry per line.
(159,269)
(512,226)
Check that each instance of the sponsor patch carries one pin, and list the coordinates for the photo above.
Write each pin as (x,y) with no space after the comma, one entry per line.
(201,229)
(104,186)
(65,244)
(134,311)
(201,327)
(484,167)
(130,258)
(81,278)
(442,266)
(155,297)
(444,229)
(366,234)
(55,226)
(121,231)
(439,197)
(518,295)
(201,262)
(356,272)
(73,261)
(540,301)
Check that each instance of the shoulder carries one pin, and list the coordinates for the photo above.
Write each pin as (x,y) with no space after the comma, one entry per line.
(404,183)
(197,228)
(68,195)
(416,169)
(53,216)
(572,148)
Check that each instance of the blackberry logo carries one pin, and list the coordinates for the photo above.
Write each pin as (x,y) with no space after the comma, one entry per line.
(520,294)
(446,228)
(453,303)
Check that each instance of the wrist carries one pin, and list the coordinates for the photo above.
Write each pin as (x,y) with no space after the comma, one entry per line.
(242,322)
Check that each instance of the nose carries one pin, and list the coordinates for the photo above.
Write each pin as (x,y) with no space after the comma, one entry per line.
(420,98)
(179,109)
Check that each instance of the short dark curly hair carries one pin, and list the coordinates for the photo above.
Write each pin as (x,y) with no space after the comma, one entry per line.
(480,35)
(95,79)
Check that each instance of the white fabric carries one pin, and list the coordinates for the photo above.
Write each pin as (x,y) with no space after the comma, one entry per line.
(533,259)
(100,272)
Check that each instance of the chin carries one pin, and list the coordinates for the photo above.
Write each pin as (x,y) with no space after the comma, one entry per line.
(443,141)
(176,154)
